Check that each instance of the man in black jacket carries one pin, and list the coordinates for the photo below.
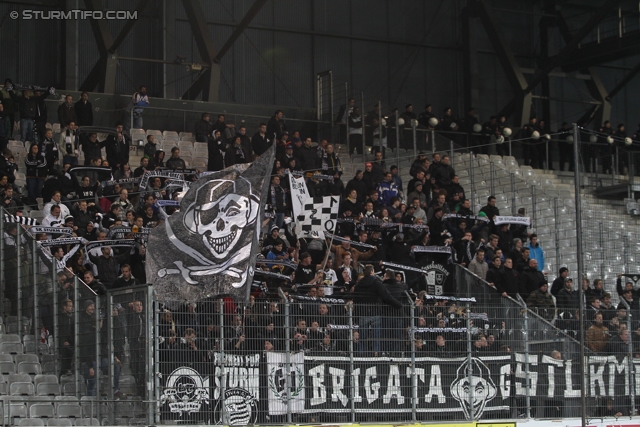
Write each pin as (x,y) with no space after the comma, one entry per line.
(28,106)
(84,110)
(393,320)
(370,291)
(66,340)
(531,278)
(136,335)
(117,147)
(260,142)
(276,126)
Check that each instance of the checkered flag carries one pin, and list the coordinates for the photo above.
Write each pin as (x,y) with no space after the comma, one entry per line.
(321,214)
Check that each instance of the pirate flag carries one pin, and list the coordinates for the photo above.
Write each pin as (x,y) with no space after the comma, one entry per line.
(208,247)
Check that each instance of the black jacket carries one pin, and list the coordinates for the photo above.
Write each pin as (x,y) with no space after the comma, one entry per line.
(260,143)
(370,292)
(84,113)
(117,151)
(28,107)
(530,280)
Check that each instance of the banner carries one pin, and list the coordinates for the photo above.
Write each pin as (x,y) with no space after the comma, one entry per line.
(320,215)
(144,180)
(472,217)
(432,249)
(439,279)
(299,195)
(120,181)
(209,247)
(61,242)
(385,385)
(272,274)
(15,219)
(353,242)
(238,388)
(120,243)
(520,220)
(278,371)
(50,230)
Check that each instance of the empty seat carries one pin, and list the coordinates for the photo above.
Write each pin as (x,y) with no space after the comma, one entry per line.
(42,410)
(44,378)
(18,378)
(7,368)
(87,422)
(10,338)
(69,411)
(48,389)
(29,368)
(30,422)
(11,347)
(29,358)
(154,132)
(62,422)
(16,410)
(69,389)
(21,389)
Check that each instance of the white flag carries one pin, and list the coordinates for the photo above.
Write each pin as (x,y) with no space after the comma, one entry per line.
(278,395)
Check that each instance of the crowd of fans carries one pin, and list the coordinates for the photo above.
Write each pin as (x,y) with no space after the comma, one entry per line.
(382,220)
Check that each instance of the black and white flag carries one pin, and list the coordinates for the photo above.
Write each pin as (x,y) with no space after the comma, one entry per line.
(209,246)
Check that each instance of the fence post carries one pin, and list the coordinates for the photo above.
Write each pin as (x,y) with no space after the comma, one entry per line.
(492,175)
(76,335)
(346,112)
(525,320)
(414,379)
(364,145)
(398,144)
(625,253)
(110,350)
(555,215)
(513,193)
(433,141)
(415,140)
(151,320)
(96,371)
(470,364)
(546,150)
(156,355)
(2,255)
(510,147)
(352,409)
(54,270)
(471,174)
(19,278)
(287,346)
(34,268)
(601,243)
(380,127)
(533,206)
(222,366)
(451,152)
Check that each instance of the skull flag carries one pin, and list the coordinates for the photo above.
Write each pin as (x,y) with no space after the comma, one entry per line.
(208,247)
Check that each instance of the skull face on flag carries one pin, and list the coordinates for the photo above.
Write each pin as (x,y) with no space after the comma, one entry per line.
(208,247)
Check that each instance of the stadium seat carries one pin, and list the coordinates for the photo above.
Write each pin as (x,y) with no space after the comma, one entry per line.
(155,133)
(42,410)
(48,389)
(69,411)
(10,338)
(87,422)
(59,422)
(30,422)
(29,368)
(7,368)
(30,358)
(16,410)
(21,389)
(44,378)
(17,378)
